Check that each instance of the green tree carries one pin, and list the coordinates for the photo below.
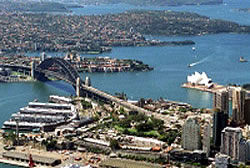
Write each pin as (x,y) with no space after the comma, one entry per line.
(114,144)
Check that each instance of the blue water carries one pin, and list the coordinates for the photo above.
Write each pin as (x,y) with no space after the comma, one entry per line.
(219,56)
(7,166)
(223,11)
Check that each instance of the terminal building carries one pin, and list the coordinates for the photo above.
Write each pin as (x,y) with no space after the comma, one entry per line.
(41,116)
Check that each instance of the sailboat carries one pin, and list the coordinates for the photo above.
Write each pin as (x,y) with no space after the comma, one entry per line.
(242,59)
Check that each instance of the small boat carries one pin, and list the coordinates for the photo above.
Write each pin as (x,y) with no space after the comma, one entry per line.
(193,64)
(193,48)
(242,59)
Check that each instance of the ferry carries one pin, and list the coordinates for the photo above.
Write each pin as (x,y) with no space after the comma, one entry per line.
(242,59)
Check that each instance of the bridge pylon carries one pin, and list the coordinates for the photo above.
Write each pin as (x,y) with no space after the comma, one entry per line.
(78,83)
(33,65)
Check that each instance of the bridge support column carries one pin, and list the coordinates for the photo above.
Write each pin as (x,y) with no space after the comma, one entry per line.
(78,87)
(33,69)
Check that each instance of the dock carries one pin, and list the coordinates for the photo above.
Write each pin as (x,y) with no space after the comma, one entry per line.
(216,87)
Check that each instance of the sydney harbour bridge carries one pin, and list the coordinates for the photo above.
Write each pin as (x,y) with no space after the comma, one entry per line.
(66,72)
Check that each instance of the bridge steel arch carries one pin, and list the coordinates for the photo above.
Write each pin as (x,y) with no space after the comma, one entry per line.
(69,74)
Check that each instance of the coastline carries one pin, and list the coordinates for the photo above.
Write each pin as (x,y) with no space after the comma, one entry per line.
(20,164)
(14,163)
(202,88)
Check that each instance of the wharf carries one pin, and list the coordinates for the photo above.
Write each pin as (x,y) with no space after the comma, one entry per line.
(216,87)
(7,79)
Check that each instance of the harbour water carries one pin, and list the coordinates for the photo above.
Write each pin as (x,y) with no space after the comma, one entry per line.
(218,56)
(7,166)
(224,11)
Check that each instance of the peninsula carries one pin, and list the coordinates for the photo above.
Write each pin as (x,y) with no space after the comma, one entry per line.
(155,2)
(81,64)
(98,33)
(32,6)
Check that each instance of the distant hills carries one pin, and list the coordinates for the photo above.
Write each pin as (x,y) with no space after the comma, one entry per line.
(155,2)
(66,5)
(32,6)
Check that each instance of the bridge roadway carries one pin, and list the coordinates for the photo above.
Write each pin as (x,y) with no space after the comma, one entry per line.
(116,100)
(16,66)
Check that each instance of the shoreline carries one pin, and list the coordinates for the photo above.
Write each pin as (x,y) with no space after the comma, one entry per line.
(20,164)
(14,163)
(202,88)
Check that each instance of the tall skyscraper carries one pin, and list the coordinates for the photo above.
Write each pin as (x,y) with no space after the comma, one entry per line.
(191,137)
(206,138)
(238,102)
(220,120)
(248,151)
(247,111)
(221,101)
(230,142)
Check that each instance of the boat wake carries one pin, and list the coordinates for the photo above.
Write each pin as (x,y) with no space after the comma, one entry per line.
(199,62)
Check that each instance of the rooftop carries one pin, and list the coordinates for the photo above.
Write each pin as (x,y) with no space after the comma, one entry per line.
(122,163)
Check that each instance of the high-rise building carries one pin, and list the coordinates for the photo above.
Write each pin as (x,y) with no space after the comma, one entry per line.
(242,150)
(191,137)
(247,111)
(221,101)
(230,142)
(238,102)
(220,120)
(206,138)
(248,151)
(221,161)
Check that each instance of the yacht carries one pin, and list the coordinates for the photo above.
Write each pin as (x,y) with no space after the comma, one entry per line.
(242,59)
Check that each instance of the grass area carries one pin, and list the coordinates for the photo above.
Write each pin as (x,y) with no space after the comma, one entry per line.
(120,129)
(132,131)
(152,133)
(17,73)
(144,126)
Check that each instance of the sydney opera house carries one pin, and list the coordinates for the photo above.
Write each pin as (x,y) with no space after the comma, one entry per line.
(200,79)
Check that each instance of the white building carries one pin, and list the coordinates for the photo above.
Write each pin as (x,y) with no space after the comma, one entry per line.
(200,79)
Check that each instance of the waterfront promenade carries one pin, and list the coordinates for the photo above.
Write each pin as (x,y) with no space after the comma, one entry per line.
(215,88)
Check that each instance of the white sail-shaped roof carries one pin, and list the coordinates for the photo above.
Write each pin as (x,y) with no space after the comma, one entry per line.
(200,79)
